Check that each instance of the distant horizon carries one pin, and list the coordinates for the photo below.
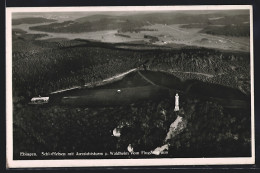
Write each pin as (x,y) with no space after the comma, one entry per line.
(75,15)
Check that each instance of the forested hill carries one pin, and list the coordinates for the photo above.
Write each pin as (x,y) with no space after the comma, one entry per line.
(31,20)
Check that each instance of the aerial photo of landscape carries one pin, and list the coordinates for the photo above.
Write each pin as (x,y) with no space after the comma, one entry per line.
(131,84)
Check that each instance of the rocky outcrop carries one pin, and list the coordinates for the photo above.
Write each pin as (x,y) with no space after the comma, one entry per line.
(175,128)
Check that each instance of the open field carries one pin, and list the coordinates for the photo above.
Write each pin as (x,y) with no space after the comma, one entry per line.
(108,97)
(148,85)
(104,36)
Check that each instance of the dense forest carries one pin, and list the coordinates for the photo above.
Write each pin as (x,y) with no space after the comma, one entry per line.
(238,30)
(212,131)
(228,30)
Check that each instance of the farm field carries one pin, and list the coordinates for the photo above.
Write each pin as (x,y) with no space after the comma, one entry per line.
(192,37)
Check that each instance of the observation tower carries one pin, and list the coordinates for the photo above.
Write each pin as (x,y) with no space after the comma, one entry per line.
(177,108)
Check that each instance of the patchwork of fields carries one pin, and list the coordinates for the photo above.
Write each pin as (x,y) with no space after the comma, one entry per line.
(166,35)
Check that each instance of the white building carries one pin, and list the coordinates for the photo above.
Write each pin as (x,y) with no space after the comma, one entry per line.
(39,100)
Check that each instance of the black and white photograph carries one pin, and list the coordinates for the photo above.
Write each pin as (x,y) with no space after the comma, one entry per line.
(129,86)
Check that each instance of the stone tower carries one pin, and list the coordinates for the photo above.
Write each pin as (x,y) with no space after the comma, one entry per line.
(177,108)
